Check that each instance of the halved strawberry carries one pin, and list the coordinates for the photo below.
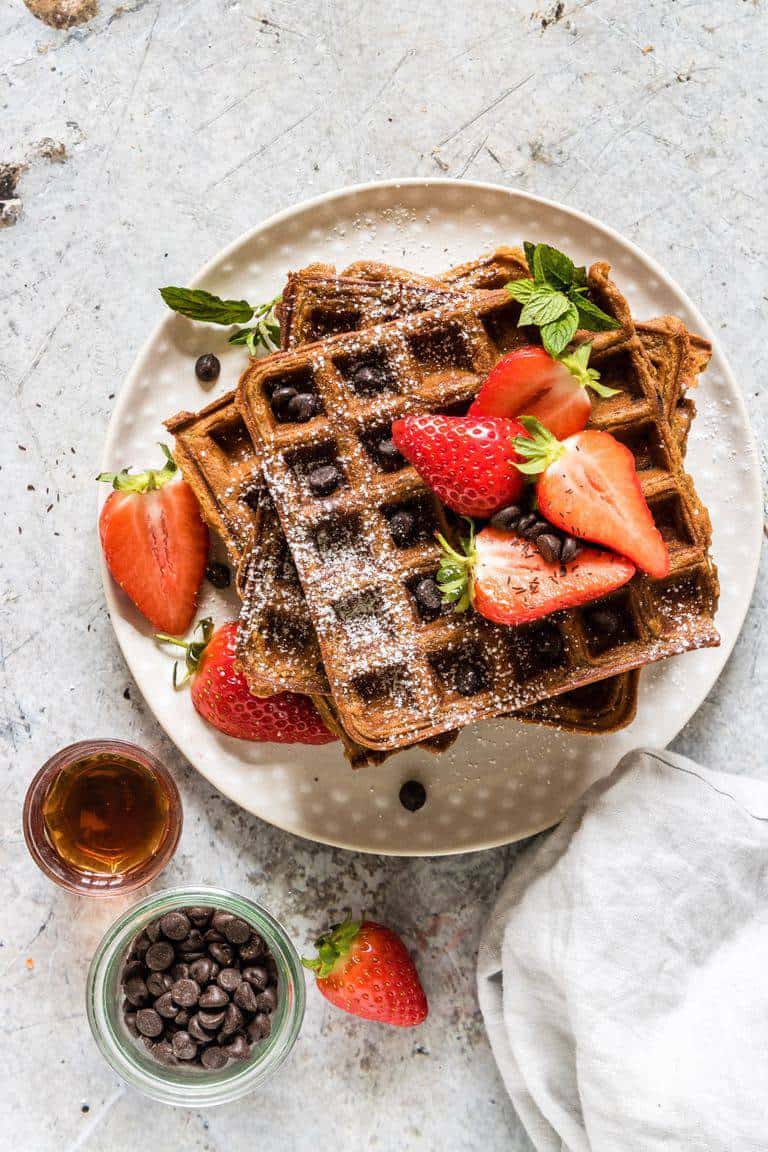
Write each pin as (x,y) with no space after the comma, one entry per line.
(155,543)
(529,381)
(467,461)
(221,695)
(508,581)
(587,486)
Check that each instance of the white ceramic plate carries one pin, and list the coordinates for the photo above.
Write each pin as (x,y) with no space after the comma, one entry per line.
(502,780)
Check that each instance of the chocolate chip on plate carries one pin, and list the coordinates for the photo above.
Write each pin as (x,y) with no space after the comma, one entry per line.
(402,526)
(207,367)
(570,549)
(413,795)
(219,576)
(429,598)
(550,547)
(324,479)
(507,519)
(470,678)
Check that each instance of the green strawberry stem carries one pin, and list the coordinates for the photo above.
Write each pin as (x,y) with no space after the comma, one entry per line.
(141,482)
(193,648)
(539,448)
(332,946)
(455,574)
(577,363)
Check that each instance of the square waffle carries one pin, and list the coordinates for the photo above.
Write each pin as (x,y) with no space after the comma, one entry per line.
(392,674)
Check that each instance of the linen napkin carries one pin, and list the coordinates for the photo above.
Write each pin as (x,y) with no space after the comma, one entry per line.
(623,975)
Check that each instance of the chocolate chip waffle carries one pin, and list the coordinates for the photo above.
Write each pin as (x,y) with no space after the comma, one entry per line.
(393,674)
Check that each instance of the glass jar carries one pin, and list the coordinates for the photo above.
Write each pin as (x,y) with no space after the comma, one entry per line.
(184,1086)
(93,881)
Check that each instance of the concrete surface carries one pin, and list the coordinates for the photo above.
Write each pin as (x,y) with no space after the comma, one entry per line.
(134,145)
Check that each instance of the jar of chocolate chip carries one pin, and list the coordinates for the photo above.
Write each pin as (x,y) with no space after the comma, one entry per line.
(195,996)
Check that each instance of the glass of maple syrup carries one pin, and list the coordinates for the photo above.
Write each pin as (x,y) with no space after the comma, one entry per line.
(102,818)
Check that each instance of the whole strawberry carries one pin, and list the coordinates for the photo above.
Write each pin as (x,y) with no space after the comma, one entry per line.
(155,543)
(467,461)
(365,969)
(221,695)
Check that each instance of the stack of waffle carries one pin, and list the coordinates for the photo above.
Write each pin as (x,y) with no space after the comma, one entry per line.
(328,586)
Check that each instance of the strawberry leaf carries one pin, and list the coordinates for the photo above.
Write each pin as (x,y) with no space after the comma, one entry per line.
(454,577)
(539,448)
(141,482)
(557,334)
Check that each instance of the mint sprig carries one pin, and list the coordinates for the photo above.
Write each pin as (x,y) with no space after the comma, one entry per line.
(204,307)
(556,299)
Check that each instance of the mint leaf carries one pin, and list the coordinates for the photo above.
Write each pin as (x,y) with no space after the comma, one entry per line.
(557,334)
(521,290)
(591,317)
(199,305)
(559,270)
(543,306)
(529,252)
(264,334)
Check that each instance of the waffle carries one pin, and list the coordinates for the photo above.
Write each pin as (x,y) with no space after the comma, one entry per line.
(391,674)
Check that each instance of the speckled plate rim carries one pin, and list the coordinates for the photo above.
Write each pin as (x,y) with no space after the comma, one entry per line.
(229,767)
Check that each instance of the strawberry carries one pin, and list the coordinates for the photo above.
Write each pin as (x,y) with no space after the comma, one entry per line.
(555,390)
(221,695)
(364,968)
(466,460)
(587,486)
(155,543)
(508,581)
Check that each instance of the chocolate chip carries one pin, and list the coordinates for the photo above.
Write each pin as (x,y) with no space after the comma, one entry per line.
(148,1022)
(229,979)
(207,367)
(196,1030)
(366,379)
(254,948)
(180,972)
(214,997)
(201,970)
(245,997)
(256,976)
(507,519)
(141,944)
(213,1059)
(130,1022)
(470,678)
(238,1049)
(526,522)
(233,1019)
(236,930)
(570,549)
(160,956)
(550,547)
(163,1051)
(193,943)
(302,407)
(549,646)
(266,1001)
(324,479)
(210,1020)
(136,991)
(259,1028)
(219,576)
(166,1006)
(187,992)
(158,983)
(213,935)
(184,1046)
(182,1019)
(219,920)
(132,968)
(153,930)
(402,526)
(604,622)
(413,795)
(199,915)
(429,598)
(221,952)
(281,398)
(536,529)
(389,457)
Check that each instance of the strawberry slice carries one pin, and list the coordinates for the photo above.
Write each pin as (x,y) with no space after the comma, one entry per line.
(529,380)
(508,581)
(587,486)
(221,695)
(155,543)
(467,461)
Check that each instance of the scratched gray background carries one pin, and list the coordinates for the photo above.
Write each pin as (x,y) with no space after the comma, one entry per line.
(134,145)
